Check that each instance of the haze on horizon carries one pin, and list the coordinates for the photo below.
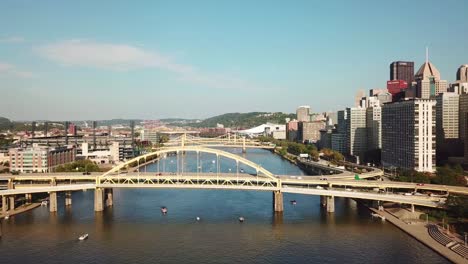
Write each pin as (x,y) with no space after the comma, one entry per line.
(196,59)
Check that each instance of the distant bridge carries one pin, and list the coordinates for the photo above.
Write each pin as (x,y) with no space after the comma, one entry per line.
(227,140)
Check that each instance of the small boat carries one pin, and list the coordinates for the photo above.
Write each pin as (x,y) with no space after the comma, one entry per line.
(44,203)
(213,161)
(83,237)
(293,202)
(198,218)
(164,210)
(241,219)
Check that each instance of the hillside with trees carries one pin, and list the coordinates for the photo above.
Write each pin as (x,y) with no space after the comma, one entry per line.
(243,120)
(5,123)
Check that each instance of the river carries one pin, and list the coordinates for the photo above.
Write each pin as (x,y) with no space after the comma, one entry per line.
(135,231)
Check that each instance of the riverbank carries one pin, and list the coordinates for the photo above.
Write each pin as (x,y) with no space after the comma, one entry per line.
(418,230)
(289,157)
(20,209)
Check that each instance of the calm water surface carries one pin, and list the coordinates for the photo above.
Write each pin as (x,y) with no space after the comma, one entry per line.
(134,231)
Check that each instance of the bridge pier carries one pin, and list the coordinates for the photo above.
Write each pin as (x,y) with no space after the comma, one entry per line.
(12,202)
(53,202)
(244,149)
(68,198)
(28,198)
(330,204)
(278,201)
(109,192)
(412,208)
(98,199)
(4,204)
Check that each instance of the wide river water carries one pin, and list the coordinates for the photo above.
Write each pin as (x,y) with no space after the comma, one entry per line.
(135,231)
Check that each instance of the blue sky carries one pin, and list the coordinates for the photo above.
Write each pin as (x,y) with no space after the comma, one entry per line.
(64,60)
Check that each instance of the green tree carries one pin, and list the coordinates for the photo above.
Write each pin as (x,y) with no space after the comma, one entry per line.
(458,205)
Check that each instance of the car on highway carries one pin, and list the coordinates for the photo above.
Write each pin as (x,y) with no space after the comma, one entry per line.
(420,184)
(319,187)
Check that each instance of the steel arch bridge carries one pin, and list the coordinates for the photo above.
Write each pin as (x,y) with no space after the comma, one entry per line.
(227,140)
(261,180)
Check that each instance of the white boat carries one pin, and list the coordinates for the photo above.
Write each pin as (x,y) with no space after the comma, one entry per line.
(241,219)
(164,210)
(83,237)
(44,203)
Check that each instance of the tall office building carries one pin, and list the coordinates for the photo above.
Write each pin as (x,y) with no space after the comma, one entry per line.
(447,131)
(356,132)
(462,112)
(374,127)
(303,113)
(428,82)
(338,137)
(408,135)
(402,70)
(462,73)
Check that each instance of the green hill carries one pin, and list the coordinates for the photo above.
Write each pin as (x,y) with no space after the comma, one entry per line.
(5,123)
(243,120)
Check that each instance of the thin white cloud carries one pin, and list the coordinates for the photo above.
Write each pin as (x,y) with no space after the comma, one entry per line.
(123,57)
(10,69)
(12,39)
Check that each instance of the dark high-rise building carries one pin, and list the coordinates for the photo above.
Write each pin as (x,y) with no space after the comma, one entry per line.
(402,70)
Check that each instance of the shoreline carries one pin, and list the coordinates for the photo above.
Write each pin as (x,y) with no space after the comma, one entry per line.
(420,233)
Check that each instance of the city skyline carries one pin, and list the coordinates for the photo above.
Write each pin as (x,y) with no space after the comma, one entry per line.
(197,60)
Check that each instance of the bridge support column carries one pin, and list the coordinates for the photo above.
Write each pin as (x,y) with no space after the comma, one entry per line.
(278,201)
(412,208)
(109,192)
(28,198)
(98,200)
(53,202)
(12,202)
(68,198)
(10,185)
(330,204)
(4,204)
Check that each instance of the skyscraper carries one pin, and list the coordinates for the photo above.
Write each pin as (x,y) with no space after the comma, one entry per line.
(462,73)
(447,121)
(356,131)
(303,113)
(428,82)
(408,135)
(402,70)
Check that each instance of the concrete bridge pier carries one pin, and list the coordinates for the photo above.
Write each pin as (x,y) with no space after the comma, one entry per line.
(278,201)
(53,202)
(98,199)
(28,198)
(4,204)
(68,198)
(412,208)
(12,202)
(330,204)
(109,192)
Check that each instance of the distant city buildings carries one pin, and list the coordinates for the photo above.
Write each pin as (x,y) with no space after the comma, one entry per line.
(303,113)
(309,132)
(40,158)
(409,135)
